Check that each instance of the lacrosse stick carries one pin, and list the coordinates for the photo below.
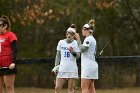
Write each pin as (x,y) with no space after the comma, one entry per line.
(102,51)
(4,68)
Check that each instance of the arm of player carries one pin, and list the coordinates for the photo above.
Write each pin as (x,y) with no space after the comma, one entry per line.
(57,58)
(57,62)
(14,54)
(75,54)
(81,47)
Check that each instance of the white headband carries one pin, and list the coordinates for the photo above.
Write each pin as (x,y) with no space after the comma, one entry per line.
(71,30)
(88,27)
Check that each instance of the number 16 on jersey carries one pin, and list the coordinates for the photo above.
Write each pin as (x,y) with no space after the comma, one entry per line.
(66,54)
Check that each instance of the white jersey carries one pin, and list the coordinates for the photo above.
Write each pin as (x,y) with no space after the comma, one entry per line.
(68,61)
(88,57)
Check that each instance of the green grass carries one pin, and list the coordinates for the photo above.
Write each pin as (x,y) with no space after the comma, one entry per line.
(41,90)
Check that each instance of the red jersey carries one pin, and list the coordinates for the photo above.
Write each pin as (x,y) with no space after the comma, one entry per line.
(5,48)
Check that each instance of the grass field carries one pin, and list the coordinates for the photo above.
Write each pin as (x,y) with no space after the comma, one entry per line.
(40,90)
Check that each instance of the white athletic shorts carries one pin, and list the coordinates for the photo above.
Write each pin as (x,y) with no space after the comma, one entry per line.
(91,73)
(67,75)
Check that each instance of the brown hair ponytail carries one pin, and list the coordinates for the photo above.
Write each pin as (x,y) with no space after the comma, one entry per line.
(73,26)
(6,21)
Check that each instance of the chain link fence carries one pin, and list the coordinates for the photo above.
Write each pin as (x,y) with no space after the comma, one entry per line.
(114,72)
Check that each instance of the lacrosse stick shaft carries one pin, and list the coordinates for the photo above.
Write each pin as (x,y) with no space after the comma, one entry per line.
(4,67)
(102,50)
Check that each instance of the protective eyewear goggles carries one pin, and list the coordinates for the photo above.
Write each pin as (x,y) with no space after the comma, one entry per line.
(72,33)
(83,29)
(2,25)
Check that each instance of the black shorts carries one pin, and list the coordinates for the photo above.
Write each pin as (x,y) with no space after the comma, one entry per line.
(7,71)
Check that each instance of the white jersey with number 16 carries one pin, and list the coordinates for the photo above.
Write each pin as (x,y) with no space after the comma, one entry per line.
(68,61)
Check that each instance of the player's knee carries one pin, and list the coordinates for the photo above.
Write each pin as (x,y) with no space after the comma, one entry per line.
(9,87)
(84,86)
(57,88)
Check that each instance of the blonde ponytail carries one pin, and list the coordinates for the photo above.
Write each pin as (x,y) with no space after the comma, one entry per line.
(92,24)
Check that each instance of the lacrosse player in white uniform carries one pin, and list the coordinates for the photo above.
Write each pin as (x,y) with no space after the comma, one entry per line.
(89,67)
(65,61)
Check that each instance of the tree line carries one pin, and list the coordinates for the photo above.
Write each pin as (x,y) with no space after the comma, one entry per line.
(40,24)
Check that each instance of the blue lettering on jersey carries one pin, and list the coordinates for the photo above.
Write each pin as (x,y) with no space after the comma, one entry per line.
(66,53)
(64,48)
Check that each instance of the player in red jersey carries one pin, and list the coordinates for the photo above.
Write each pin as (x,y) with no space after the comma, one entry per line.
(8,52)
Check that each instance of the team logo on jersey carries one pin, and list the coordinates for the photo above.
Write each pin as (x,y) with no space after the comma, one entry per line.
(87,42)
(2,40)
